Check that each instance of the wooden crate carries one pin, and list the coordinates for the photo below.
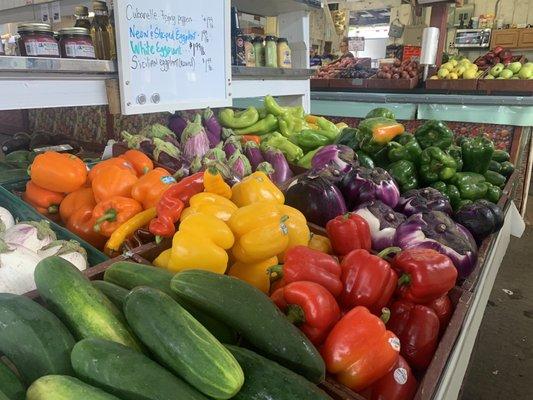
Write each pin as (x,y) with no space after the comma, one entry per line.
(319,83)
(452,85)
(392,84)
(489,86)
(353,84)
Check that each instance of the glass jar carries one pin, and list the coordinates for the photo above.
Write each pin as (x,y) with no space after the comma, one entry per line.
(239,50)
(284,54)
(76,43)
(111,30)
(82,17)
(37,40)
(271,52)
(259,51)
(100,31)
(249,53)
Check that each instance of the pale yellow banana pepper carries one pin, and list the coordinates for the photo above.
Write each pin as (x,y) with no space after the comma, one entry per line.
(255,188)
(320,243)
(256,274)
(210,204)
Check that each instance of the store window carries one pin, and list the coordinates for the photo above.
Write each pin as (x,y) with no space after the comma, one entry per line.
(373,26)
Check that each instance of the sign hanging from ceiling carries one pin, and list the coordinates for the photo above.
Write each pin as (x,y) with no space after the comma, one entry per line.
(173,55)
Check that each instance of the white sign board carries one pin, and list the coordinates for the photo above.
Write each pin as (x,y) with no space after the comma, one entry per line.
(173,54)
(356,44)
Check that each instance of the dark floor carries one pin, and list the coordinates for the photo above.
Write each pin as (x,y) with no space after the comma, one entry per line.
(501,366)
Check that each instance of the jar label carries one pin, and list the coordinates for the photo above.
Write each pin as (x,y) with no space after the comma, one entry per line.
(79,50)
(35,48)
(286,59)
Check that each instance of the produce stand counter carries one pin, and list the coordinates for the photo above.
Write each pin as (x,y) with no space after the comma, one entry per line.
(474,110)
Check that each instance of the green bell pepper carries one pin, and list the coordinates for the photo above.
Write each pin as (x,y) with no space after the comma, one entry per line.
(404,173)
(507,168)
(291,151)
(495,166)
(500,156)
(409,151)
(495,178)
(305,161)
(434,134)
(309,139)
(436,165)
(457,154)
(261,127)
(450,191)
(348,137)
(493,194)
(472,186)
(238,120)
(364,159)
(477,154)
(380,112)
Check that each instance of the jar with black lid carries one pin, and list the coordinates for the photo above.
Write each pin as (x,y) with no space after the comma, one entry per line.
(82,17)
(37,40)
(76,42)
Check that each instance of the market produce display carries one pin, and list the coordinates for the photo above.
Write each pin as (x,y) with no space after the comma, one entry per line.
(458,67)
(496,56)
(398,70)
(332,70)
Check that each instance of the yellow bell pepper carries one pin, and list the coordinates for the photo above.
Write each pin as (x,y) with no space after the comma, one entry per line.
(214,183)
(299,232)
(320,243)
(162,259)
(341,125)
(256,274)
(201,243)
(258,214)
(255,188)
(210,204)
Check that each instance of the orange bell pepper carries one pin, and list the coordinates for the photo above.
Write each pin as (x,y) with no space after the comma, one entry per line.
(40,210)
(43,198)
(58,172)
(113,181)
(81,198)
(359,350)
(150,187)
(251,138)
(81,223)
(113,212)
(141,162)
(116,161)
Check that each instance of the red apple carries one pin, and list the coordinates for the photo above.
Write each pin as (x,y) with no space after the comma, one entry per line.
(498,49)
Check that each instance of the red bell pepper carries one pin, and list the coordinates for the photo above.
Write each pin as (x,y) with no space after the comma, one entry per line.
(348,232)
(309,306)
(425,274)
(443,307)
(398,384)
(305,264)
(359,350)
(368,280)
(172,203)
(417,327)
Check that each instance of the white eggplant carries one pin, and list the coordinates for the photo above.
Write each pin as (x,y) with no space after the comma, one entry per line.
(68,250)
(6,219)
(30,234)
(17,265)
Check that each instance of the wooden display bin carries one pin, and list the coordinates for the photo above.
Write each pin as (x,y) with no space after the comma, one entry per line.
(319,83)
(392,84)
(353,84)
(452,85)
(490,86)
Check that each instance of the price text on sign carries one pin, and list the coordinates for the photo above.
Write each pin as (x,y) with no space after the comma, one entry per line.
(173,54)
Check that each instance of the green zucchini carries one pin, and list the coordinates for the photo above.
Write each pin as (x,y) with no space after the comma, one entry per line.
(18,158)
(495,166)
(495,178)
(3,396)
(265,380)
(59,387)
(130,375)
(33,338)
(10,385)
(82,307)
(182,344)
(130,275)
(13,175)
(507,168)
(113,292)
(500,156)
(254,316)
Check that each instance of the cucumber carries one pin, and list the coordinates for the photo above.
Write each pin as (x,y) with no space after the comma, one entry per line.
(3,396)
(82,307)
(495,166)
(265,380)
(60,387)
(500,156)
(495,178)
(113,292)
(130,275)
(10,385)
(13,175)
(119,370)
(507,168)
(33,338)
(182,344)
(254,316)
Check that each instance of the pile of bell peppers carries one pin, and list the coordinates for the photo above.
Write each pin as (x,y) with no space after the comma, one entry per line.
(103,206)
(296,135)
(369,314)
(465,169)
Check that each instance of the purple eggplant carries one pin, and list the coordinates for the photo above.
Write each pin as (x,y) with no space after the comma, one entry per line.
(336,156)
(214,154)
(231,145)
(266,168)
(252,151)
(239,165)
(177,123)
(194,140)
(436,230)
(382,221)
(423,200)
(481,218)
(212,127)
(170,157)
(138,142)
(316,197)
(282,171)
(362,184)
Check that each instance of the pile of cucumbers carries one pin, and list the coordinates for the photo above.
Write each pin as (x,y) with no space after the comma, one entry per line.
(143,333)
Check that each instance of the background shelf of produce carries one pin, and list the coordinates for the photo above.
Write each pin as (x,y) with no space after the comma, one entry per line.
(272,8)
